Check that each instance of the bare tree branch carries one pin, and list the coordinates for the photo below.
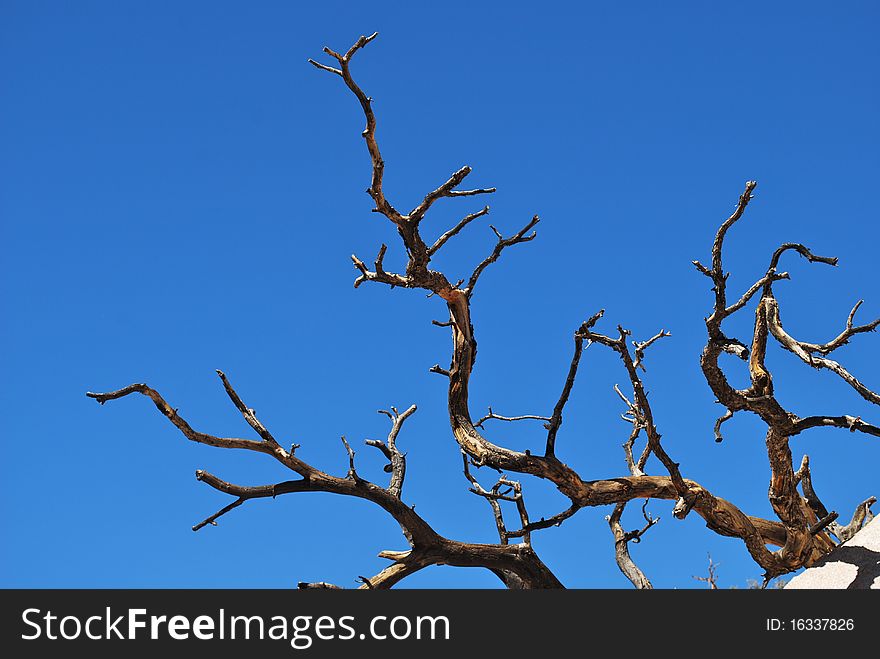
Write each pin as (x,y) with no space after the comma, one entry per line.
(415,528)
(728,414)
(513,493)
(479,490)
(634,468)
(454,230)
(792,345)
(711,579)
(861,516)
(519,237)
(803,476)
(524,417)
(641,346)
(842,338)
(446,190)
(352,473)
(821,524)
(244,493)
(768,278)
(470,193)
(248,414)
(520,506)
(212,519)
(396,460)
(803,251)
(392,279)
(717,341)
(545,523)
(851,423)
(375,190)
(804,524)
(172,415)
(622,538)
(641,400)
(717,272)
(621,546)
(556,419)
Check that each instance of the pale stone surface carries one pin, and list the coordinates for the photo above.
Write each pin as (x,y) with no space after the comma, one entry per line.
(855,564)
(868,537)
(833,574)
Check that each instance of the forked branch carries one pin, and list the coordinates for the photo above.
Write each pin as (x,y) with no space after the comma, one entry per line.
(502,244)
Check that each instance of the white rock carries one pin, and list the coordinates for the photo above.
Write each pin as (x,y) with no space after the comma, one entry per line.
(855,563)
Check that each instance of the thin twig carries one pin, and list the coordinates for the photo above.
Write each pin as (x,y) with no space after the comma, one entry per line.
(454,230)
(523,417)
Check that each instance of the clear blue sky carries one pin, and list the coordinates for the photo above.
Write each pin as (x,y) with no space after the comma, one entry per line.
(181,192)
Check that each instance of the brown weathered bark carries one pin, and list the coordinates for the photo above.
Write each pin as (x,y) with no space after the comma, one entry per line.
(802,532)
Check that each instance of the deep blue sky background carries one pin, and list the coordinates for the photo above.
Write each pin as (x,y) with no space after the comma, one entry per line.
(181,192)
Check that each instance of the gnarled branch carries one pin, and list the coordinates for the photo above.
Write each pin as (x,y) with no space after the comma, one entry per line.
(800,532)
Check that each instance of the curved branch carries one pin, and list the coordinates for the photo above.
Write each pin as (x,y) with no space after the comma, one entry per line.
(862,515)
(428,547)
(721,516)
(843,338)
(396,460)
(851,423)
(375,190)
(721,419)
(621,551)
(417,531)
(717,341)
(172,415)
(804,251)
(796,347)
(717,271)
(518,565)
(519,560)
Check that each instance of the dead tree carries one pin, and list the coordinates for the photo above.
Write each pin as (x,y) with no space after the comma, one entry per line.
(803,531)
